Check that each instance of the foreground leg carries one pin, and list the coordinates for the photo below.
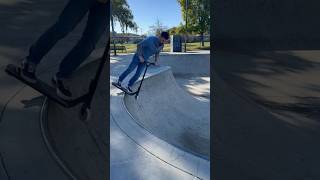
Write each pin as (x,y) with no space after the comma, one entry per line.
(136,76)
(68,20)
(134,63)
(96,25)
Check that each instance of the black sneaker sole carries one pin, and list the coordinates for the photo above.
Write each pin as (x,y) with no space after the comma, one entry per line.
(54,82)
(63,96)
(27,78)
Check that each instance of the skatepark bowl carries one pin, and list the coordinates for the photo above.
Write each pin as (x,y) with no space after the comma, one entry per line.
(171,115)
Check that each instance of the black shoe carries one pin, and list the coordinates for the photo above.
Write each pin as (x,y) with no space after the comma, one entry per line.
(118,83)
(129,89)
(54,81)
(28,71)
(62,91)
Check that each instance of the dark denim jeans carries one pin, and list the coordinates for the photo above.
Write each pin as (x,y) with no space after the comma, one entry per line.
(70,17)
(134,63)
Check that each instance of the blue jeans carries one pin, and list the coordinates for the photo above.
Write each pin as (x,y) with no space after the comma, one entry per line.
(135,62)
(70,17)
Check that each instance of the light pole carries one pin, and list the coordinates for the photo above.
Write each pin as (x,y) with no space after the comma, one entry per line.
(185,39)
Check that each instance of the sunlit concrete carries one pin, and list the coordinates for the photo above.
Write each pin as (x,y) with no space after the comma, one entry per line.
(180,161)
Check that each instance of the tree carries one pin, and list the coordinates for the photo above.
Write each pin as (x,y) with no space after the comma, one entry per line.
(135,27)
(198,14)
(132,25)
(157,28)
(173,30)
(120,12)
(180,29)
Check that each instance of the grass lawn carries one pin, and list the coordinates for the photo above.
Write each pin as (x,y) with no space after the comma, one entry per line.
(131,48)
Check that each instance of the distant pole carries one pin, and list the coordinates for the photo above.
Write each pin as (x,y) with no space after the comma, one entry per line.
(185,39)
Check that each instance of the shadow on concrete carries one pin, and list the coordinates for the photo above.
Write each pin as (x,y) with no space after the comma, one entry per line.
(251,72)
(36,101)
(266,115)
(22,21)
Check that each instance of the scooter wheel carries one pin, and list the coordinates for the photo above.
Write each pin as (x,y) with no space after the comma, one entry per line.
(85,113)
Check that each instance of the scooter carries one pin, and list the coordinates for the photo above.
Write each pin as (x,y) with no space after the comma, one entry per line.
(136,93)
(50,91)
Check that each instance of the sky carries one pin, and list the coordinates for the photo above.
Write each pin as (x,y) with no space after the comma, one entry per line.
(146,12)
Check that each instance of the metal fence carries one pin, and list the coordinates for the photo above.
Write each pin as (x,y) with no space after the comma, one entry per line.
(137,39)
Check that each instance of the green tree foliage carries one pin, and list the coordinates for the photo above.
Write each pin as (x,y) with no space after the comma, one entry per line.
(198,14)
(157,28)
(120,12)
(180,29)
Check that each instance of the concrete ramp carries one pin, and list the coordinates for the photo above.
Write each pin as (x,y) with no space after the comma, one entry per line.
(187,64)
(191,71)
(165,132)
(170,113)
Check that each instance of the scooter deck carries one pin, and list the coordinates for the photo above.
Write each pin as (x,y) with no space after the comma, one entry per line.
(123,89)
(39,86)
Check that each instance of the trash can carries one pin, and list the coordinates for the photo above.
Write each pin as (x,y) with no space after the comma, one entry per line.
(176,43)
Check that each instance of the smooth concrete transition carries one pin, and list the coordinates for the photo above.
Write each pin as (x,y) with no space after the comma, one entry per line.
(191,63)
(171,114)
(174,122)
(191,71)
(166,121)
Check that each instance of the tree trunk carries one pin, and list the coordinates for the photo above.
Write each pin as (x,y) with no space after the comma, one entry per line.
(202,41)
(114,44)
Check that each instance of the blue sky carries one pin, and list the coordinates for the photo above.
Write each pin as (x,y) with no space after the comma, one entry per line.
(146,12)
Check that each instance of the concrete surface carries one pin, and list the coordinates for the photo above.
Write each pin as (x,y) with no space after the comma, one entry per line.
(83,146)
(180,161)
(23,151)
(267,115)
(271,24)
(191,75)
(170,113)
